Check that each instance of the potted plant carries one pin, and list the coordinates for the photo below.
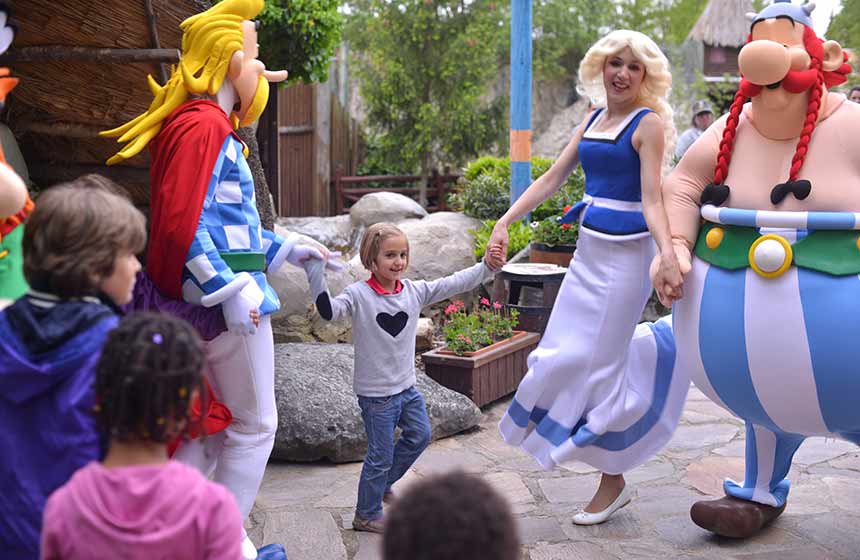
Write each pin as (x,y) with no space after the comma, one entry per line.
(553,242)
(483,357)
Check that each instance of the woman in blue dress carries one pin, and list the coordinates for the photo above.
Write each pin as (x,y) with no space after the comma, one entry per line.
(578,399)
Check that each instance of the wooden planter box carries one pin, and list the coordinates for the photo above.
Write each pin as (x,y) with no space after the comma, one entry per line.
(486,375)
(551,254)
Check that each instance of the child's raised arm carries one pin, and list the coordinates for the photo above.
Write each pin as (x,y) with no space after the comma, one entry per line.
(330,309)
(457,283)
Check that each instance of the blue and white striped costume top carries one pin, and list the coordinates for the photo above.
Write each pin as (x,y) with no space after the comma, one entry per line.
(229,222)
(613,191)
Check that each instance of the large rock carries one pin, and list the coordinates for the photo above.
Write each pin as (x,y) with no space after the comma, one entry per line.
(384,207)
(333,232)
(439,245)
(318,414)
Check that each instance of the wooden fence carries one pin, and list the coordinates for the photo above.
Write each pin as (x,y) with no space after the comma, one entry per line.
(349,189)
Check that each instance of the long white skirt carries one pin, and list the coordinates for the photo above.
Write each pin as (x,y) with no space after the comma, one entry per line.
(600,389)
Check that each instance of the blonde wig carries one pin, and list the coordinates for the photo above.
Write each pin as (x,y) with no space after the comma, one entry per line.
(209,40)
(656,84)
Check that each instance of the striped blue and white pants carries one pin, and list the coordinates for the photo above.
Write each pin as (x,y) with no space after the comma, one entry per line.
(781,353)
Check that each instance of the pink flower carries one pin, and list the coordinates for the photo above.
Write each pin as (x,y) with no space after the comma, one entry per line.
(450,309)
(485,301)
(461,336)
(469,340)
(497,305)
(459,304)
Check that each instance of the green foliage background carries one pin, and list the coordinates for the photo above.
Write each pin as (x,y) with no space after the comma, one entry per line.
(300,36)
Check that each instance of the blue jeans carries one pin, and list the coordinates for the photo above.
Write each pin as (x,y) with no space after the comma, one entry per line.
(385,462)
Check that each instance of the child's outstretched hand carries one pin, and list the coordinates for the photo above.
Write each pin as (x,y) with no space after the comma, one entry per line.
(255,317)
(495,258)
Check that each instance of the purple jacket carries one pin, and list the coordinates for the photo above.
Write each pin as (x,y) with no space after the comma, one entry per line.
(48,354)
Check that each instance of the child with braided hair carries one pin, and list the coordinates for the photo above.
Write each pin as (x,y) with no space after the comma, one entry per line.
(137,504)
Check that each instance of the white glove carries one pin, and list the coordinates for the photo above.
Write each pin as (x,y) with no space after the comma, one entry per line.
(300,253)
(237,309)
(332,263)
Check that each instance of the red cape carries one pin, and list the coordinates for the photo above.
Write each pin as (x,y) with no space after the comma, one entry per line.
(183,156)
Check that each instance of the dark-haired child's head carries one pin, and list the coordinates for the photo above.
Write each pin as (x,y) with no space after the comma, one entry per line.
(149,371)
(81,240)
(453,515)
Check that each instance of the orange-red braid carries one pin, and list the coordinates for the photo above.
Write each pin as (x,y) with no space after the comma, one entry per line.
(724,155)
(814,46)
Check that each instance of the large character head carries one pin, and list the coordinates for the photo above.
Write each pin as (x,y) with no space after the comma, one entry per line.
(654,89)
(784,64)
(219,57)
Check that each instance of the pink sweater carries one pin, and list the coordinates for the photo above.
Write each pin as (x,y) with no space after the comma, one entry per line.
(147,512)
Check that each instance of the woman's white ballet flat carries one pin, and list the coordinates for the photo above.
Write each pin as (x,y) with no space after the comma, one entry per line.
(586,518)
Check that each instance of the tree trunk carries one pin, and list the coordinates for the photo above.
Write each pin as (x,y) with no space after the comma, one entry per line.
(422,184)
(261,187)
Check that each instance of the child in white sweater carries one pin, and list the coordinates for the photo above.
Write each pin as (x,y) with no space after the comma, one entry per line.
(385,311)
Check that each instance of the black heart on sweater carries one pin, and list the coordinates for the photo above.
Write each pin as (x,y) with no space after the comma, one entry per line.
(392,324)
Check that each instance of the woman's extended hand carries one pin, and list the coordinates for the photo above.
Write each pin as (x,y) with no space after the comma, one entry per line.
(497,247)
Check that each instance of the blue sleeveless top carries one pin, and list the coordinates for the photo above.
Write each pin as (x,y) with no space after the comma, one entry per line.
(613,202)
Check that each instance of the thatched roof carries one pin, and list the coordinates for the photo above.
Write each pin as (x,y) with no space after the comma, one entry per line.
(723,23)
(60,105)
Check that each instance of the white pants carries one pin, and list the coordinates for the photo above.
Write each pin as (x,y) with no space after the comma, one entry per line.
(241,370)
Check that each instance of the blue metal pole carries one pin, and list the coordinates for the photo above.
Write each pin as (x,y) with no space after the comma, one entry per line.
(521,96)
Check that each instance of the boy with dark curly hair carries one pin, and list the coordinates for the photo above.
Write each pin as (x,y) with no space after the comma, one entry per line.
(453,515)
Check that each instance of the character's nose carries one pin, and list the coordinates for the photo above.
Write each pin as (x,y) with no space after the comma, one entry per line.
(764,62)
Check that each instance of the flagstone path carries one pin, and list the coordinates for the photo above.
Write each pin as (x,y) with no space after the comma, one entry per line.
(309,507)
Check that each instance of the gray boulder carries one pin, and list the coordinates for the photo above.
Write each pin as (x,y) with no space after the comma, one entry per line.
(318,414)
(333,232)
(384,207)
(439,245)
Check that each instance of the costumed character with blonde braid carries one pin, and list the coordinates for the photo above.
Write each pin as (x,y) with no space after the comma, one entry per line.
(207,246)
(763,210)
(15,204)
(580,399)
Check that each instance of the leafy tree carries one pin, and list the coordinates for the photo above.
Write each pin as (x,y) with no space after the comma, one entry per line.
(845,26)
(300,36)
(424,68)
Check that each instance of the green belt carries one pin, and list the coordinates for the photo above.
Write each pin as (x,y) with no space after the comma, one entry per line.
(12,282)
(835,252)
(245,262)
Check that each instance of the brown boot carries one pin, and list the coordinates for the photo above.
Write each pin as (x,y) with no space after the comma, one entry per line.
(731,517)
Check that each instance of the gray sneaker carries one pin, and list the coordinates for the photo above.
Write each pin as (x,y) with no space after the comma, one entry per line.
(369,525)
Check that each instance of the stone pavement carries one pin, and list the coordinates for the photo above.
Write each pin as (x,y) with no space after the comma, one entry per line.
(309,507)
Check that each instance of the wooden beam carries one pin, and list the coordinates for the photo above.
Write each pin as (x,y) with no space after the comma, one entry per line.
(152,23)
(49,53)
(58,128)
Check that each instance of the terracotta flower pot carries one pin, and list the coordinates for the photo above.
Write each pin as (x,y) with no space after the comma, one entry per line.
(487,374)
(552,254)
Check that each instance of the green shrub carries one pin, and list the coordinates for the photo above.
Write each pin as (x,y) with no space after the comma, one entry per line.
(519,236)
(486,197)
(485,192)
